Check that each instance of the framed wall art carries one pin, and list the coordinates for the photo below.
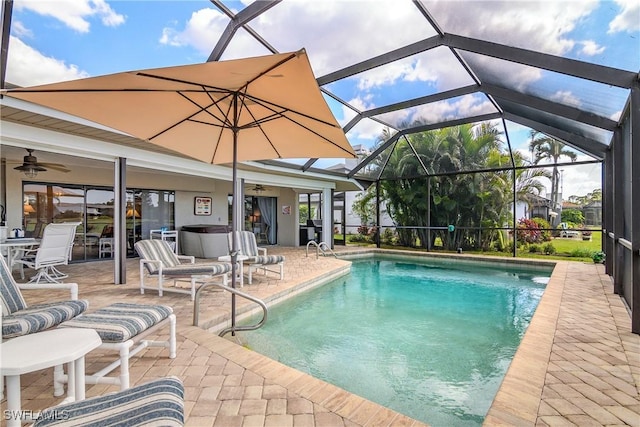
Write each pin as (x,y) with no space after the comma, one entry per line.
(202,206)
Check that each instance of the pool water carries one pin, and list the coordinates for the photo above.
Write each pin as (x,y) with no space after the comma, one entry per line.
(430,342)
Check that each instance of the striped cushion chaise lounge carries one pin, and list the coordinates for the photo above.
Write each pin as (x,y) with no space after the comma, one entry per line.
(20,319)
(122,328)
(258,259)
(157,403)
(158,260)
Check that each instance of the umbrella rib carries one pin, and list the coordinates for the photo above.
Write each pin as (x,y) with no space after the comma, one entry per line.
(257,122)
(276,115)
(224,120)
(272,106)
(273,67)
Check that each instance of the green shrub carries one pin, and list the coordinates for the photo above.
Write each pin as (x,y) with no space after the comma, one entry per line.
(581,253)
(534,249)
(545,234)
(528,231)
(598,257)
(549,249)
(388,236)
(498,246)
(574,216)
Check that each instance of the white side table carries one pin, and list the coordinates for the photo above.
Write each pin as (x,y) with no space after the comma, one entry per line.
(43,350)
(240,259)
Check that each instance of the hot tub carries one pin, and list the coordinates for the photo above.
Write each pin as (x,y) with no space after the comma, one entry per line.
(204,240)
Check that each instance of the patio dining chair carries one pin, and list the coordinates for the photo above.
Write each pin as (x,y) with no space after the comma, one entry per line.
(258,260)
(54,250)
(158,260)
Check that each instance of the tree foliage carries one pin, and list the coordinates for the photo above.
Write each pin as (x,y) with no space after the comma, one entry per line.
(573,216)
(594,196)
(424,184)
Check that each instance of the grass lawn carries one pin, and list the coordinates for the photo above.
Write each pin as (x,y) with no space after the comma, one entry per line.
(566,245)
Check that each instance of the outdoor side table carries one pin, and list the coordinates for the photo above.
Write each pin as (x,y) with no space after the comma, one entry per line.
(43,350)
(240,259)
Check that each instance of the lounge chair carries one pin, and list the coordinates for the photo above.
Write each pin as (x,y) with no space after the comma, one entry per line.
(158,402)
(158,260)
(20,319)
(54,250)
(123,328)
(258,260)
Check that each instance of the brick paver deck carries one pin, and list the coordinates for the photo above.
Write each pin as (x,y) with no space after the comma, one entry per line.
(578,363)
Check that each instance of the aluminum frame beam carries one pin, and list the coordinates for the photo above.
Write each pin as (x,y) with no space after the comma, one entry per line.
(239,20)
(7,12)
(586,145)
(550,107)
(572,67)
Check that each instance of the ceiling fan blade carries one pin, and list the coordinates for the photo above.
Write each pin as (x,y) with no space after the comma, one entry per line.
(54,166)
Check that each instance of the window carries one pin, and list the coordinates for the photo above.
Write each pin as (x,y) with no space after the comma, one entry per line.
(46,203)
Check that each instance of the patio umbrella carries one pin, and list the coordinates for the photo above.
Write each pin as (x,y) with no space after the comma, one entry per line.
(224,112)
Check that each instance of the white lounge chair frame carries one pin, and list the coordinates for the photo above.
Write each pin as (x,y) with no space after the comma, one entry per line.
(257,256)
(157,260)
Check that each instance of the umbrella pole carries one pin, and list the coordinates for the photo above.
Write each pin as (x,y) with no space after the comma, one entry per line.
(234,220)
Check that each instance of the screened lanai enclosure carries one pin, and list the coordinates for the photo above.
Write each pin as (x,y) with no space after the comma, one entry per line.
(470,118)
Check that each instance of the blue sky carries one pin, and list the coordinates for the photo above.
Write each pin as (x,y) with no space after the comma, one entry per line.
(55,40)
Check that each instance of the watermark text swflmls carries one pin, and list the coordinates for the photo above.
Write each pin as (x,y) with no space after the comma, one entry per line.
(29,415)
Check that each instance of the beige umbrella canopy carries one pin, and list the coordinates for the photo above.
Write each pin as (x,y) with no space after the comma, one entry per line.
(192,108)
(257,108)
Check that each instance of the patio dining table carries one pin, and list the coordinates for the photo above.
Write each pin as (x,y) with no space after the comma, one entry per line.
(14,247)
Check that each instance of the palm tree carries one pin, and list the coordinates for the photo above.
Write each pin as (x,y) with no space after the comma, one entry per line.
(545,147)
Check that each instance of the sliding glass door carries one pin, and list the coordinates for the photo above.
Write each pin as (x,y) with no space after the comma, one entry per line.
(93,207)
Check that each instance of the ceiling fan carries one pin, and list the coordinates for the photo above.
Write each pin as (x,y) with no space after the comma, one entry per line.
(30,165)
(259,188)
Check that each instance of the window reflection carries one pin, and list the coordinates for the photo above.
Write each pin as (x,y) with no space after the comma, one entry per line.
(94,208)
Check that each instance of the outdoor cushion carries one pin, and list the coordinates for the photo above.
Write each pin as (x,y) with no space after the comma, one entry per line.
(40,317)
(10,296)
(158,251)
(156,403)
(121,321)
(190,269)
(268,259)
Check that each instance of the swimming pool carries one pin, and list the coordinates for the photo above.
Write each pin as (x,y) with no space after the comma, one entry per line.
(426,340)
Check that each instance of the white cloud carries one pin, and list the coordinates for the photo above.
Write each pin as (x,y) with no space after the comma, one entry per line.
(543,26)
(468,105)
(628,20)
(566,97)
(74,13)
(337,34)
(18,28)
(406,69)
(201,31)
(367,131)
(580,180)
(616,116)
(591,48)
(28,67)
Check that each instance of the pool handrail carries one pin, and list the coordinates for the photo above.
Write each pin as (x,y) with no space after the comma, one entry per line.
(322,246)
(196,308)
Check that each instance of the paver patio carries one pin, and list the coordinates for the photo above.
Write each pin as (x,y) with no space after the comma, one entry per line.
(578,363)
